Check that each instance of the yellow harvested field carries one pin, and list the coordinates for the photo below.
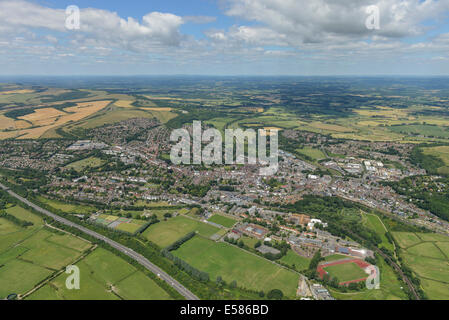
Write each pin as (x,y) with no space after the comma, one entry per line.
(49,118)
(158,109)
(16,92)
(329,127)
(270,131)
(125,103)
(43,116)
(22,124)
(383,112)
(6,123)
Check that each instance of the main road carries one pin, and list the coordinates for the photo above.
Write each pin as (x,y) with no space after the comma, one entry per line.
(129,252)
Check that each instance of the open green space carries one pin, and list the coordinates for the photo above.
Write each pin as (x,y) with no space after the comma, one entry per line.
(231,263)
(427,255)
(296,261)
(103,275)
(390,287)
(165,233)
(222,220)
(373,222)
(67,207)
(346,272)
(91,162)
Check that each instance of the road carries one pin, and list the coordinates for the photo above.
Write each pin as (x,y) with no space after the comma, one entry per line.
(129,252)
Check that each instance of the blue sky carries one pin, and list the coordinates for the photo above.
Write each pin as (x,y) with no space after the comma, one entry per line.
(225,37)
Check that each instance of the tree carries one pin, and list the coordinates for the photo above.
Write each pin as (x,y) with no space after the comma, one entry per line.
(275,294)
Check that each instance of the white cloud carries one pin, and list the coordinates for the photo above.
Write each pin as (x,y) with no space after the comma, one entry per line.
(323,21)
(97,26)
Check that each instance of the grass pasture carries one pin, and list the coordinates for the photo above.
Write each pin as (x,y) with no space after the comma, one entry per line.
(295,260)
(232,263)
(222,220)
(427,255)
(29,255)
(165,233)
(103,275)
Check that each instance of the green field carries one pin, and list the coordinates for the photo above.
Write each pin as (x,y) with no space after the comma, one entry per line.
(433,131)
(373,222)
(315,154)
(441,152)
(67,207)
(231,263)
(390,288)
(427,255)
(103,275)
(90,162)
(165,233)
(295,260)
(346,272)
(222,220)
(31,254)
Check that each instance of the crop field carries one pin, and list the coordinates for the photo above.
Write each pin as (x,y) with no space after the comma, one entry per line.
(222,220)
(44,119)
(90,162)
(165,233)
(427,255)
(232,263)
(103,276)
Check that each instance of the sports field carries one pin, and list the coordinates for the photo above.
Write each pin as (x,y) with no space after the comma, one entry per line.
(390,287)
(120,223)
(427,254)
(232,263)
(295,260)
(103,276)
(165,233)
(222,220)
(346,272)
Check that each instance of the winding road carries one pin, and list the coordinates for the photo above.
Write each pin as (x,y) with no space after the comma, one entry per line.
(129,252)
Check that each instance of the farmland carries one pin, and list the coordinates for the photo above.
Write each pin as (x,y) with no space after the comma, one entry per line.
(231,263)
(33,253)
(103,276)
(427,255)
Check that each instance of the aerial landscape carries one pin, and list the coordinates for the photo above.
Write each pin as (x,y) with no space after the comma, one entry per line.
(94,205)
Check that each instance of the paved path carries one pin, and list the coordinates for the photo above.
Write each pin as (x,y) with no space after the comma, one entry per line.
(129,252)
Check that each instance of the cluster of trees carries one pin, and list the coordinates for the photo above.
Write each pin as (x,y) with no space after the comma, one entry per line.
(179,242)
(192,271)
(16,221)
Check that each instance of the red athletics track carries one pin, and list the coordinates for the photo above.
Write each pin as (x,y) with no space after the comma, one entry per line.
(362,264)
